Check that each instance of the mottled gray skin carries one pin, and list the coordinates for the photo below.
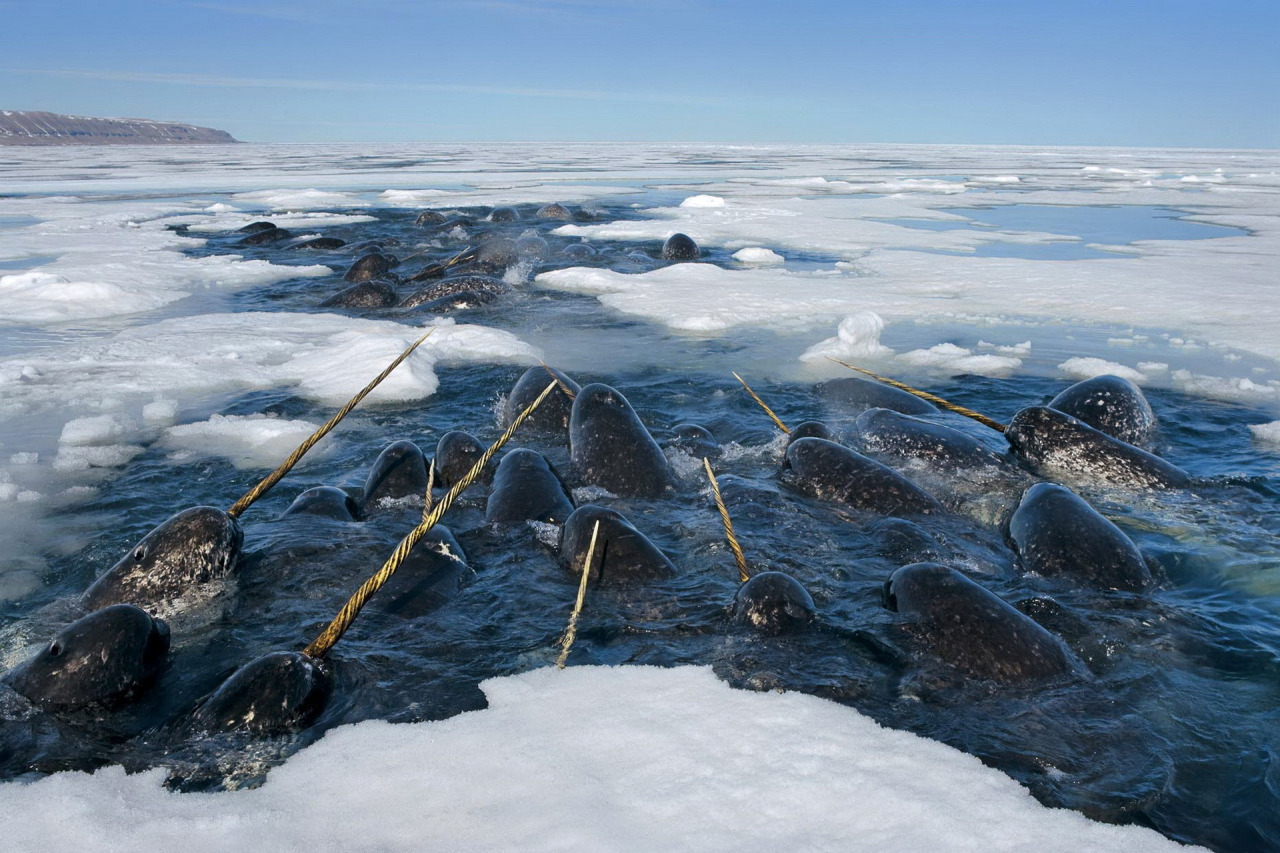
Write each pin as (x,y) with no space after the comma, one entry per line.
(773,603)
(1112,405)
(456,452)
(479,284)
(366,294)
(371,266)
(504,214)
(264,236)
(427,579)
(526,489)
(463,301)
(832,472)
(1055,443)
(973,629)
(696,440)
(320,244)
(104,658)
(810,429)
(904,541)
(859,394)
(611,448)
(895,434)
(623,554)
(1057,535)
(680,247)
(496,255)
(554,211)
(579,251)
(399,471)
(325,501)
(429,217)
(272,694)
(552,417)
(196,546)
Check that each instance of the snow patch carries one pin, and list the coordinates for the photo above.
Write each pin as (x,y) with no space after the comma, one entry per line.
(757,256)
(702,201)
(777,771)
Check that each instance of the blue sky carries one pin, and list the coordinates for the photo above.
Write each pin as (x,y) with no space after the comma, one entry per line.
(1109,73)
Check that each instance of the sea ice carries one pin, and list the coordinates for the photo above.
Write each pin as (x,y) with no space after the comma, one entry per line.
(1087,368)
(949,357)
(858,336)
(248,441)
(589,758)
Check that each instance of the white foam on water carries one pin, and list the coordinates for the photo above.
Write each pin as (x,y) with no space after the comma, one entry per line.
(589,758)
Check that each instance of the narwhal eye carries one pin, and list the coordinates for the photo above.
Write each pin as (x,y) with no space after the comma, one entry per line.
(55,649)
(140,554)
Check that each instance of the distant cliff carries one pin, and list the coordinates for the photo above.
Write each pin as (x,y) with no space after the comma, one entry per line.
(38,128)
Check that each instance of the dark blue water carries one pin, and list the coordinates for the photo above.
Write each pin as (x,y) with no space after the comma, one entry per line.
(1174,724)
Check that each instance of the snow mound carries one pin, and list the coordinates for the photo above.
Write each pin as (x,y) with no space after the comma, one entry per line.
(703,201)
(758,256)
(588,758)
(41,297)
(858,336)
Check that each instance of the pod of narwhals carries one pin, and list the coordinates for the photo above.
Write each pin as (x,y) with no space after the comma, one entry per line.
(1090,431)
(377,279)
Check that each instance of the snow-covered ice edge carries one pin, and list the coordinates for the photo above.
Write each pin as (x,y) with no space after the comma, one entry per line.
(589,758)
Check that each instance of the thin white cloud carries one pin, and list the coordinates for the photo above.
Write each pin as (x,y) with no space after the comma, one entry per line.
(225,82)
